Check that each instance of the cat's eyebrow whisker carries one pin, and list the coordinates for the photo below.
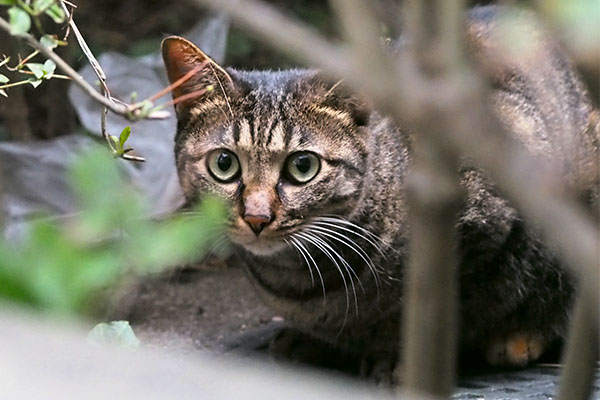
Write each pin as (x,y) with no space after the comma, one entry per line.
(311,239)
(346,241)
(298,243)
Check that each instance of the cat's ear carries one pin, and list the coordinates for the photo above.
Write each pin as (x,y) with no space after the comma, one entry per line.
(336,95)
(206,79)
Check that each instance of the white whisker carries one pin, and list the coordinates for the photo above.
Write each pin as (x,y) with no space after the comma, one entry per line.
(293,245)
(311,239)
(346,241)
(335,223)
(332,253)
(304,250)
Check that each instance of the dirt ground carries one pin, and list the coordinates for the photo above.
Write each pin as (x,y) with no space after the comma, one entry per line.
(210,306)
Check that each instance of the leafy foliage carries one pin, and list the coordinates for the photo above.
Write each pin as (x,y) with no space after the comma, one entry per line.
(66,268)
(21,16)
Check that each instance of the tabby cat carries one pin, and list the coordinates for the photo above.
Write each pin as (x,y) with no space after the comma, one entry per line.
(315,182)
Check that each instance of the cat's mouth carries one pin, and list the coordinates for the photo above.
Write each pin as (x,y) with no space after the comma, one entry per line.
(261,246)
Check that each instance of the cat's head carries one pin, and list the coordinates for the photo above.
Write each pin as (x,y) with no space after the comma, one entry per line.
(280,147)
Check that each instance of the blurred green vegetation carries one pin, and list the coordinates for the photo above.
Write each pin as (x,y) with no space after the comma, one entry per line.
(69,267)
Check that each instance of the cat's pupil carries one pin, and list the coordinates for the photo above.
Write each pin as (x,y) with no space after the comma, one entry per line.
(224,162)
(302,163)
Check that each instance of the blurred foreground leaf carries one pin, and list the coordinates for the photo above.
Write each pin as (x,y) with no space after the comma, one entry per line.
(117,333)
(66,268)
(19,20)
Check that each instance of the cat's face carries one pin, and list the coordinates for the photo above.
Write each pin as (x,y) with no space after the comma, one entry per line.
(279,147)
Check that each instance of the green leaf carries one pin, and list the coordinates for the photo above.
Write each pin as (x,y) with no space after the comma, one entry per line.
(49,68)
(8,2)
(42,5)
(19,21)
(117,333)
(3,78)
(35,83)
(49,42)
(56,13)
(3,93)
(124,136)
(37,69)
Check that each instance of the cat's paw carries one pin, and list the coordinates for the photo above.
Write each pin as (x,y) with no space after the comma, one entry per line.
(379,370)
(515,350)
(297,347)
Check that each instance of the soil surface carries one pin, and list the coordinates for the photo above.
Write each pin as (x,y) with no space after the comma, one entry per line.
(207,307)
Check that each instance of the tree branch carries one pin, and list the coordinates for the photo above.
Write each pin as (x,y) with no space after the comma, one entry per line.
(430,310)
(430,313)
(582,350)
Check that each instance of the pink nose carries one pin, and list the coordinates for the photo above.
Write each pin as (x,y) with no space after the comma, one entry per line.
(257,222)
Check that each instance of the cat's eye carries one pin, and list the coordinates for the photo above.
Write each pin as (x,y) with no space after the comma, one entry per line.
(223,165)
(301,167)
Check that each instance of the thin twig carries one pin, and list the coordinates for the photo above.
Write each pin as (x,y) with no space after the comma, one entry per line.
(105,91)
(86,50)
(13,84)
(22,62)
(185,97)
(180,81)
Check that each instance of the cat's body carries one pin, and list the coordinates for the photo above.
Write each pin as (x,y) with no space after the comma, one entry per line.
(319,219)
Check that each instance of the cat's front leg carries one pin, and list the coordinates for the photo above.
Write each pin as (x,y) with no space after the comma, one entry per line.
(373,360)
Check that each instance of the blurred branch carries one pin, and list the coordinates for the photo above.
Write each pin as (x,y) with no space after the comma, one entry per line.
(362,34)
(430,313)
(582,351)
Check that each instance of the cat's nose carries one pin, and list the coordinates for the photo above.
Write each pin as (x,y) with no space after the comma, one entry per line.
(257,222)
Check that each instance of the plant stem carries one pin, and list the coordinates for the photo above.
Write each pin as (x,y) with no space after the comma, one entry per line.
(19,83)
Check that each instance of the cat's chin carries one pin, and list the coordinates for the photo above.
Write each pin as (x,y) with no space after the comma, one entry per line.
(261,247)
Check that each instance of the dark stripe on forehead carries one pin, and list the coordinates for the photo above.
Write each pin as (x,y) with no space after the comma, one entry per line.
(236,131)
(286,126)
(250,119)
(271,129)
(304,137)
(288,133)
